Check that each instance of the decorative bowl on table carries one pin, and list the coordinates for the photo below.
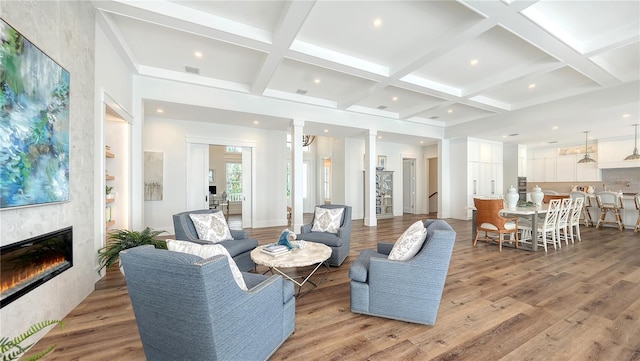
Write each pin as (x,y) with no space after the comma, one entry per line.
(379,168)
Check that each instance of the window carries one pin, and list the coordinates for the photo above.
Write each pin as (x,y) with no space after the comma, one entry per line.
(234,182)
(230,149)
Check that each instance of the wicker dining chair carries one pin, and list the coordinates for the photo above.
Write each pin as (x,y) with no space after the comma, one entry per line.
(488,220)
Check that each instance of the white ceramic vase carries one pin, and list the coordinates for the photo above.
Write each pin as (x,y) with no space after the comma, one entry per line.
(537,196)
(512,197)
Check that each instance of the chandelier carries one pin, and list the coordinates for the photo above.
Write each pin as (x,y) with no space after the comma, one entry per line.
(307,139)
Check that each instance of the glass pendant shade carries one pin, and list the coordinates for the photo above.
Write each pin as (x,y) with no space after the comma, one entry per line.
(634,155)
(586,158)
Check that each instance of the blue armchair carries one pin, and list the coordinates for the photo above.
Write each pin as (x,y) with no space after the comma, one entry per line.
(404,290)
(240,248)
(189,308)
(339,242)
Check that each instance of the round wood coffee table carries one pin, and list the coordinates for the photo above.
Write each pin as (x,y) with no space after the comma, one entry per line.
(312,254)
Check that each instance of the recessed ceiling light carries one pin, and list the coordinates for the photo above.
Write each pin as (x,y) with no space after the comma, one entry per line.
(198,54)
(626,115)
(326,130)
(422,142)
(555,127)
(504,136)
(316,80)
(159,110)
(532,85)
(450,111)
(473,62)
(377,22)
(394,99)
(256,122)
(379,137)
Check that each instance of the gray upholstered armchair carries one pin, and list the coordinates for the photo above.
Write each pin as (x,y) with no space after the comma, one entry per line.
(240,248)
(339,242)
(404,290)
(189,308)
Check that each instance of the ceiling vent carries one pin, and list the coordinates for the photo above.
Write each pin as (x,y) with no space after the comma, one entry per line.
(191,69)
(514,134)
(434,117)
(382,107)
(301,91)
(553,142)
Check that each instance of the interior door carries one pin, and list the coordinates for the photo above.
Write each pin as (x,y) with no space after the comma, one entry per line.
(197,176)
(408,186)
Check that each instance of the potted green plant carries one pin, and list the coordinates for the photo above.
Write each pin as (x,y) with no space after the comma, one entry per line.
(108,194)
(121,239)
(12,349)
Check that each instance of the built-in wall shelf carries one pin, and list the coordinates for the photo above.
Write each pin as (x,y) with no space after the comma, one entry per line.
(110,223)
(110,177)
(109,154)
(110,200)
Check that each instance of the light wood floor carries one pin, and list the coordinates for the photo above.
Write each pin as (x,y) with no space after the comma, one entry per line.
(578,303)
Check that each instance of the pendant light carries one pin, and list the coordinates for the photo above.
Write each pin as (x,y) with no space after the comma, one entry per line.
(586,158)
(634,155)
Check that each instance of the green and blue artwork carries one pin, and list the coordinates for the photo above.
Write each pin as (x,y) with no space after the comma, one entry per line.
(34,124)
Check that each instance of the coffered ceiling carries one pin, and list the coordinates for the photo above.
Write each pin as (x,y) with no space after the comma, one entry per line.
(529,72)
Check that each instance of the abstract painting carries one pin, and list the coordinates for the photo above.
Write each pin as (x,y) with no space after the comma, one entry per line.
(34,124)
(153,176)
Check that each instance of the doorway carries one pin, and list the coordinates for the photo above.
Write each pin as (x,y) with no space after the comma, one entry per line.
(220,177)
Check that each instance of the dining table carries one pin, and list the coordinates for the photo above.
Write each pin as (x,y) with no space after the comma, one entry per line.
(533,213)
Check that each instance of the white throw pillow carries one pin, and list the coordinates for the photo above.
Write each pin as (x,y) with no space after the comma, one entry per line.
(409,242)
(211,227)
(208,251)
(327,220)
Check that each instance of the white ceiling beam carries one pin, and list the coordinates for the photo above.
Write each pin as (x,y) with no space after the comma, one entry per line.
(510,19)
(175,16)
(292,19)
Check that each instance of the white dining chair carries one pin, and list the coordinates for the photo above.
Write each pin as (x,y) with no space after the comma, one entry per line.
(546,231)
(562,224)
(574,219)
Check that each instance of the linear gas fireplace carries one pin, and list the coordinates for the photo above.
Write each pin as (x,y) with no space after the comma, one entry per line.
(28,264)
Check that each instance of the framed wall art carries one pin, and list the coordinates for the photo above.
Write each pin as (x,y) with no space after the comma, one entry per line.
(34,124)
(153,176)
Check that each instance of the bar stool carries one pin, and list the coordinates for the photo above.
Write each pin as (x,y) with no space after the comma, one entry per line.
(586,205)
(636,200)
(610,202)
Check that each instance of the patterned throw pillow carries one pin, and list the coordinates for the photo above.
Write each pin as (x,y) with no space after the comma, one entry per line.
(208,251)
(409,242)
(327,220)
(211,227)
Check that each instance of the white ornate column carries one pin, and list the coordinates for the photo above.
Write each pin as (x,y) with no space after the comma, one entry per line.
(297,220)
(370,179)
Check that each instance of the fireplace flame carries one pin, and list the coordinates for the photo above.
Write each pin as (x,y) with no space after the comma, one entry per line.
(15,279)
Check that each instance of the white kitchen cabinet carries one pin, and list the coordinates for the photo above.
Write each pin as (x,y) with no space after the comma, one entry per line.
(566,168)
(611,154)
(545,166)
(485,179)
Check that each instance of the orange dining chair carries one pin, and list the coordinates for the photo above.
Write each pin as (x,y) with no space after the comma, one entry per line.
(488,220)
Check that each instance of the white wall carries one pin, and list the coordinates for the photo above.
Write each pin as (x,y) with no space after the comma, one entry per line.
(269,188)
(64,30)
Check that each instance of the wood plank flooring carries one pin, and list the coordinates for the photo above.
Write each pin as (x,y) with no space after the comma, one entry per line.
(578,303)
